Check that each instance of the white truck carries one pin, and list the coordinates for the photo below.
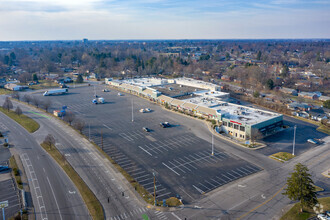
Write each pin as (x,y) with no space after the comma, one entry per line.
(98,100)
(55,92)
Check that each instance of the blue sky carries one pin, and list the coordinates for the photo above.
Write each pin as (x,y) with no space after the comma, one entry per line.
(163,19)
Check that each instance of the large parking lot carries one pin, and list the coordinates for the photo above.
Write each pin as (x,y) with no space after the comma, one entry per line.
(180,160)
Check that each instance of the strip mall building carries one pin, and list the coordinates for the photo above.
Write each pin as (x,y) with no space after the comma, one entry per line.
(205,100)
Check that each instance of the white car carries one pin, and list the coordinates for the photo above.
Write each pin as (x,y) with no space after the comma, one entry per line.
(142,110)
(148,110)
(322,217)
(119,94)
(312,141)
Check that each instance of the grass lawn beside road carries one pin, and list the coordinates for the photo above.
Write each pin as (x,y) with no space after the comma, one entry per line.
(5,91)
(93,204)
(28,123)
(282,156)
(16,172)
(293,213)
(44,84)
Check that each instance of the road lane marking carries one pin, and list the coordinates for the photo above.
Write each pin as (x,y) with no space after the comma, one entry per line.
(54,198)
(265,202)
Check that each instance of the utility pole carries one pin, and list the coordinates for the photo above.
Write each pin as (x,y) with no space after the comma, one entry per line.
(212,145)
(294,139)
(154,188)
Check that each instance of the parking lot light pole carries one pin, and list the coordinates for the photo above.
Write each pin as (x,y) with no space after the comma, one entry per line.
(212,145)
(294,139)
(89,131)
(132,111)
(154,188)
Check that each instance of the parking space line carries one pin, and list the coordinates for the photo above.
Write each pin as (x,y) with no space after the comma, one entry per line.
(145,150)
(170,169)
(207,188)
(174,166)
(231,175)
(162,195)
(210,183)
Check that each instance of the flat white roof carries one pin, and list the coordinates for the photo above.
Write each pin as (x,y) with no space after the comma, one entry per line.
(238,113)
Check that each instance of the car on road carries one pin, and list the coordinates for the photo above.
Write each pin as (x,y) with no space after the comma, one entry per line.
(106,90)
(148,110)
(142,110)
(312,141)
(119,94)
(146,129)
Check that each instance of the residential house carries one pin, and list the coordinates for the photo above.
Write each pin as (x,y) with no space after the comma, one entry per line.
(308,95)
(324,98)
(15,87)
(289,91)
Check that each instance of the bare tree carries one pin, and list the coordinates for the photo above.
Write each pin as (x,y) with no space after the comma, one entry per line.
(47,104)
(18,111)
(15,95)
(7,104)
(36,101)
(27,98)
(79,125)
(255,135)
(50,141)
(69,117)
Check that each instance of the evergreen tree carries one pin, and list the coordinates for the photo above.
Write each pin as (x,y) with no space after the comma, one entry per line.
(79,79)
(270,84)
(300,187)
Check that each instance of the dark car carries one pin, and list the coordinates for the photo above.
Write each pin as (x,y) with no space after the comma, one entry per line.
(3,168)
(146,129)
(165,124)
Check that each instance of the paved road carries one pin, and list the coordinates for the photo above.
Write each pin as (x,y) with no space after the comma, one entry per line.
(54,195)
(95,169)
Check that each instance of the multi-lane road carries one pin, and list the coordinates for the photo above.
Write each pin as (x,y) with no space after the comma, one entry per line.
(54,195)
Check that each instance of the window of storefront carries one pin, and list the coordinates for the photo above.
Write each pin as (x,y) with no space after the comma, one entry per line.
(236,127)
(242,128)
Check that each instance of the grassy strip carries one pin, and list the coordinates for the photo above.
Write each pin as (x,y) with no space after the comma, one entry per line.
(93,204)
(44,84)
(16,172)
(293,213)
(282,156)
(324,129)
(5,91)
(28,123)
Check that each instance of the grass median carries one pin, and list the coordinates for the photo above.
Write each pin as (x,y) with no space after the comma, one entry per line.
(28,123)
(282,156)
(16,172)
(293,213)
(93,204)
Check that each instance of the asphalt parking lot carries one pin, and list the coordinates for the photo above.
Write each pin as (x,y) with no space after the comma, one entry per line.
(8,192)
(181,161)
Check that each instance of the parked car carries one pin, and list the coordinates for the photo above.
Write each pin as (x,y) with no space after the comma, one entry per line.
(165,124)
(312,141)
(106,90)
(142,110)
(148,110)
(119,94)
(146,129)
(3,168)
(322,217)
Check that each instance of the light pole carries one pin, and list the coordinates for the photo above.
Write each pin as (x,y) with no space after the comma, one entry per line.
(294,139)
(212,145)
(154,187)
(132,111)
(89,131)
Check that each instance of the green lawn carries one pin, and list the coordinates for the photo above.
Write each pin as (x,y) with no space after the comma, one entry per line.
(16,172)
(293,213)
(324,129)
(282,156)
(44,84)
(28,123)
(93,204)
(5,91)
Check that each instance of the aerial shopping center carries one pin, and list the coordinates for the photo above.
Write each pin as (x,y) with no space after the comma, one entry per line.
(205,100)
